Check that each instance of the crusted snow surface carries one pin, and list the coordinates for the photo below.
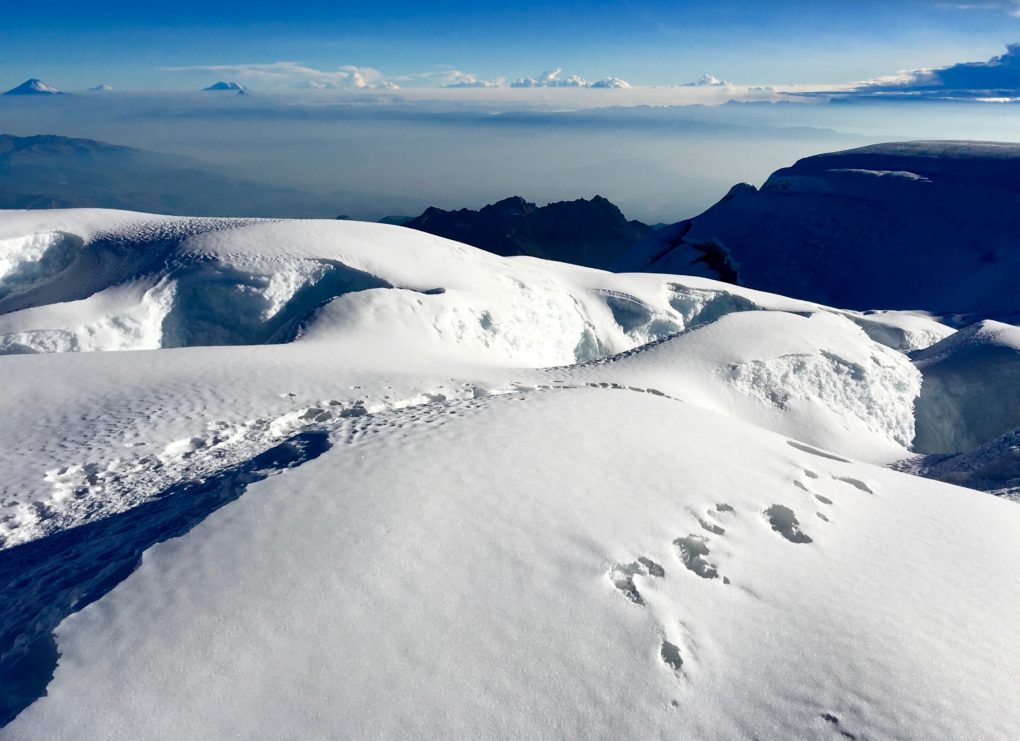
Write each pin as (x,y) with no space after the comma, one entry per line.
(29,258)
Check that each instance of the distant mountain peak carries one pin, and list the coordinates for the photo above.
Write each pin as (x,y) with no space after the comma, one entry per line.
(34,87)
(104,88)
(228,86)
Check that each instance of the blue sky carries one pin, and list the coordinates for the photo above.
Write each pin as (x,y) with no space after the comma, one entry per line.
(132,44)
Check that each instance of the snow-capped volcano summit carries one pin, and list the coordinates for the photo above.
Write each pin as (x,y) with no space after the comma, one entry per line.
(34,87)
(224,86)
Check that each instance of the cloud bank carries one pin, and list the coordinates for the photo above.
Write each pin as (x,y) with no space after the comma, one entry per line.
(456,79)
(997,79)
(298,75)
(295,74)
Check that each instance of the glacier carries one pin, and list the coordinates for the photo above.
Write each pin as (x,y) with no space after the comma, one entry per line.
(297,478)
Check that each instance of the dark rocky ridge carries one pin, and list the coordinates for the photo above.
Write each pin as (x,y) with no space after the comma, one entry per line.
(584,232)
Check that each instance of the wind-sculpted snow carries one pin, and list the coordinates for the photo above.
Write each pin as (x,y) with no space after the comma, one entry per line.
(349,296)
(32,259)
(72,283)
(819,378)
(358,481)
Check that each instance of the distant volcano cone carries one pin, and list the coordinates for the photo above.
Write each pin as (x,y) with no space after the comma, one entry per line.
(34,87)
(223,86)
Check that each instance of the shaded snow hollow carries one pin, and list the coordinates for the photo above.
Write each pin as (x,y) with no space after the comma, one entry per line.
(357,480)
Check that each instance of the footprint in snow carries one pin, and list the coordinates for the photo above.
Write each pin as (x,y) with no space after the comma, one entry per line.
(711,526)
(670,655)
(622,576)
(784,521)
(693,551)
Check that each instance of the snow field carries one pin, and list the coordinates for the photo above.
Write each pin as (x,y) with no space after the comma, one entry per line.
(437,587)
(355,480)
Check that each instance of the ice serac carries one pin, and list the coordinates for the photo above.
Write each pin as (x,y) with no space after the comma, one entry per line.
(971,391)
(913,225)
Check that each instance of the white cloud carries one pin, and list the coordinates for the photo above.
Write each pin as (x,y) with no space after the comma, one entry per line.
(707,80)
(1012,7)
(551,78)
(454,78)
(296,74)
(998,77)
(611,82)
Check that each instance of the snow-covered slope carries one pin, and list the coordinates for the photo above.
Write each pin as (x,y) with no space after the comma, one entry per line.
(320,478)
(912,225)
(569,563)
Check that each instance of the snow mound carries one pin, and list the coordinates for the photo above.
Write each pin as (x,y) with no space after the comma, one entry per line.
(913,225)
(817,377)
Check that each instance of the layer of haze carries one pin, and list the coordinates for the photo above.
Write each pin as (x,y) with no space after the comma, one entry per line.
(378,155)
